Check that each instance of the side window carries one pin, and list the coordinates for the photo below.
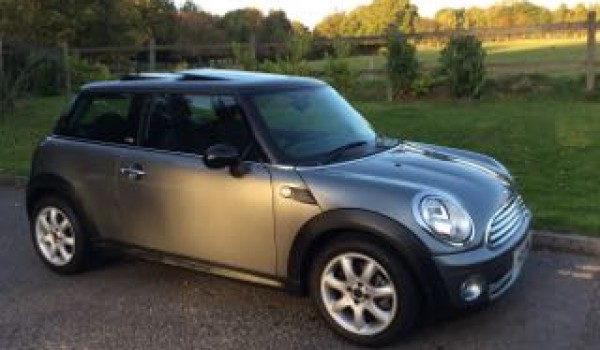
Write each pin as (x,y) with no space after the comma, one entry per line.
(192,123)
(104,117)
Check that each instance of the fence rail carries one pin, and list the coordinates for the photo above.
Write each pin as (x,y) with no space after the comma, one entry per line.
(225,49)
(125,59)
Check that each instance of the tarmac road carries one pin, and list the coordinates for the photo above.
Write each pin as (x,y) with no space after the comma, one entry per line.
(132,304)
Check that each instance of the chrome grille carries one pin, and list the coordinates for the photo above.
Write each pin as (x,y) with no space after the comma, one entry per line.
(506,222)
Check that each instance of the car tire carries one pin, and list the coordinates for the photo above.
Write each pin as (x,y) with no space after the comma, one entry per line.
(374,306)
(58,236)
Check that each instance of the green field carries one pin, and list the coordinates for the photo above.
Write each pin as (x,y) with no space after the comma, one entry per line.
(551,145)
(23,128)
(546,56)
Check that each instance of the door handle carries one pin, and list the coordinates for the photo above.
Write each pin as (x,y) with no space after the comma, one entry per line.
(133,173)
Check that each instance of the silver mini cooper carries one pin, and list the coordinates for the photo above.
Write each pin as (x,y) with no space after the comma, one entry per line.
(276,180)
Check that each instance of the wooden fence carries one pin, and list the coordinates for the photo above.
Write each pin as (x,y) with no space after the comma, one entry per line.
(359,44)
(152,57)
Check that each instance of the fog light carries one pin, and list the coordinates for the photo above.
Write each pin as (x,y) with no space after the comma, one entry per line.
(471,289)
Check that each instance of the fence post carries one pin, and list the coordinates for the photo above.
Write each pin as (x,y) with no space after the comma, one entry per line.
(371,67)
(253,44)
(152,55)
(591,54)
(389,90)
(1,59)
(67,67)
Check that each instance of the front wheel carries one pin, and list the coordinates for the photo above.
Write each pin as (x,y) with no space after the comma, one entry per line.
(364,292)
(57,236)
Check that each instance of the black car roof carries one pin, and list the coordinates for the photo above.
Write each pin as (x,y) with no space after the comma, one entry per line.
(204,80)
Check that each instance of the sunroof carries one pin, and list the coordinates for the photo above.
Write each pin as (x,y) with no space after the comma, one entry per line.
(195,77)
(150,76)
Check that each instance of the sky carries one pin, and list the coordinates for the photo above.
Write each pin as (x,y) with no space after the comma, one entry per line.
(310,12)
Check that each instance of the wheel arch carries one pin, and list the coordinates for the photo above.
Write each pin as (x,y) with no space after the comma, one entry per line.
(48,184)
(377,228)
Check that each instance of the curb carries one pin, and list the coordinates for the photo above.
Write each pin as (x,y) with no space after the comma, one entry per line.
(7,180)
(566,243)
(542,240)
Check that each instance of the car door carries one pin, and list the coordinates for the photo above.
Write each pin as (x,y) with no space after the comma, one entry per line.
(86,146)
(171,202)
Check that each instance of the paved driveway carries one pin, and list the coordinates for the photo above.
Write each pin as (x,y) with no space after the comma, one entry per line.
(138,305)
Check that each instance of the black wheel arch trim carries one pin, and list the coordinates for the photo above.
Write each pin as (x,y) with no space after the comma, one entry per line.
(382,228)
(48,183)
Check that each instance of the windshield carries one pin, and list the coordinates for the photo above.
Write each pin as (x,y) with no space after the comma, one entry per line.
(314,124)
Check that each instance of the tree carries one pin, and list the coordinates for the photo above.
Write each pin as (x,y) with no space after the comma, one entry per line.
(157,20)
(446,18)
(474,17)
(331,26)
(189,6)
(88,23)
(241,24)
(197,27)
(561,14)
(579,13)
(424,24)
(338,71)
(299,29)
(276,27)
(372,19)
(462,65)
(402,65)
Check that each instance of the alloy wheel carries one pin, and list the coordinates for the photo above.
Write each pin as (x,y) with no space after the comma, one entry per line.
(358,294)
(55,237)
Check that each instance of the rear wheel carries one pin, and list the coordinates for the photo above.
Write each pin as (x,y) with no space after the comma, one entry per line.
(57,236)
(364,292)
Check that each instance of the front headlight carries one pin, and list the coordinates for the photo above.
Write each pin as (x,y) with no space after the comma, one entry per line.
(446,219)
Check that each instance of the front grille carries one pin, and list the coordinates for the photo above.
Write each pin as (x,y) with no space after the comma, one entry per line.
(506,222)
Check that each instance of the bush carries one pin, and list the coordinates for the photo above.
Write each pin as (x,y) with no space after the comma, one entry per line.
(337,69)
(402,66)
(47,78)
(244,57)
(422,85)
(83,72)
(43,74)
(20,78)
(462,64)
(294,63)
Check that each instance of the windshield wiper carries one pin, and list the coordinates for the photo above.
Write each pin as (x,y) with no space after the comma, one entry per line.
(338,152)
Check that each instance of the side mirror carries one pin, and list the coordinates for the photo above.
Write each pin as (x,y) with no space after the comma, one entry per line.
(221,156)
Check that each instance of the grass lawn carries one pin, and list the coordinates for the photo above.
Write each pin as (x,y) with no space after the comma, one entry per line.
(20,131)
(533,55)
(551,145)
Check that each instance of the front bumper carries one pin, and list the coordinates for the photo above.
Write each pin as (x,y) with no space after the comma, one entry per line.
(494,270)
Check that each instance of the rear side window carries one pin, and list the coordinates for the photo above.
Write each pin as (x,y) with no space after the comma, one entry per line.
(110,118)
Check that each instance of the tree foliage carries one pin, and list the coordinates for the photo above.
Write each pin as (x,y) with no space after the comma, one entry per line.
(338,71)
(88,23)
(372,19)
(93,23)
(402,65)
(244,57)
(295,61)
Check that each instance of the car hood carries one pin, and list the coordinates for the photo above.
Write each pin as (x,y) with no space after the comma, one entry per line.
(484,164)
(389,181)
